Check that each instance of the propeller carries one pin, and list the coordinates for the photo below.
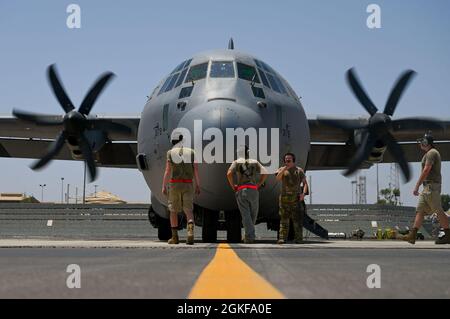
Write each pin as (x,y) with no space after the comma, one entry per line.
(75,123)
(379,128)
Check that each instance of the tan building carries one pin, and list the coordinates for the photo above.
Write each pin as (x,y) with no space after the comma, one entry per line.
(17,198)
(104,197)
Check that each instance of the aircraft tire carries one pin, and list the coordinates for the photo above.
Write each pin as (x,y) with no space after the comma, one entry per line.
(233,223)
(209,226)
(164,230)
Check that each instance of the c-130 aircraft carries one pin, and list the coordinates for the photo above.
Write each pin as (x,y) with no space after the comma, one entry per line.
(225,89)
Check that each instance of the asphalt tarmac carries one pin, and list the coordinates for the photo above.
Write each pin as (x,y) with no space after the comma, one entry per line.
(37,268)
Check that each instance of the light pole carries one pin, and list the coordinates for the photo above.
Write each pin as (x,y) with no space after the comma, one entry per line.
(62,190)
(42,191)
(95,190)
(354,183)
(378,188)
(84,183)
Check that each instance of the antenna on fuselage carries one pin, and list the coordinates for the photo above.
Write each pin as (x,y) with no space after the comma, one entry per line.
(231,44)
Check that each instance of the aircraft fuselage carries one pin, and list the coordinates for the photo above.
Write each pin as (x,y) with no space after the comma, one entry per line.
(223,95)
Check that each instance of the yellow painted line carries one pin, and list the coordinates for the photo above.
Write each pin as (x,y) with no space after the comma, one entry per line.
(228,277)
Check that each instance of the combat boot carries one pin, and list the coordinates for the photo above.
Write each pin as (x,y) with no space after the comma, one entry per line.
(411,237)
(445,239)
(190,234)
(283,233)
(174,240)
(298,237)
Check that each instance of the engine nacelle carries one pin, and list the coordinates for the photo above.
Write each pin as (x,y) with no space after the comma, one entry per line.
(74,147)
(377,152)
(96,140)
(376,155)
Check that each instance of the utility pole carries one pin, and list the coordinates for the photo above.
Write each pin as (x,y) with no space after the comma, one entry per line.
(356,191)
(76,195)
(42,192)
(62,190)
(362,190)
(378,187)
(84,184)
(68,194)
(394,180)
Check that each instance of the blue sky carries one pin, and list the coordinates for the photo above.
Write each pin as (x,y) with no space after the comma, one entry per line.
(311,43)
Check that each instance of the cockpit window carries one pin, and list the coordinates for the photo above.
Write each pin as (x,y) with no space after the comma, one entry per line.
(221,69)
(258,63)
(181,78)
(197,72)
(267,67)
(172,82)
(187,62)
(263,78)
(176,77)
(166,83)
(280,84)
(179,67)
(258,92)
(247,72)
(273,83)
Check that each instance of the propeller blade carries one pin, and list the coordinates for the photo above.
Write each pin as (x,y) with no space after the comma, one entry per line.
(88,157)
(107,125)
(94,92)
(38,119)
(53,150)
(417,123)
(58,89)
(359,92)
(397,152)
(343,124)
(361,154)
(397,91)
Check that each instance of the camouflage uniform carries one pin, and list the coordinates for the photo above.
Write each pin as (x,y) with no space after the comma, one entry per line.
(290,207)
(247,198)
(181,189)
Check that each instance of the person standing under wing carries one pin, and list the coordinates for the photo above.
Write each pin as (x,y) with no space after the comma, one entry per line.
(430,198)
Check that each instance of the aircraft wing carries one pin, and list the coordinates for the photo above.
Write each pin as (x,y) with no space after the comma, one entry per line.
(333,148)
(20,139)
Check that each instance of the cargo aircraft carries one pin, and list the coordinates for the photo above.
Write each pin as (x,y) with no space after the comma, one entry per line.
(224,89)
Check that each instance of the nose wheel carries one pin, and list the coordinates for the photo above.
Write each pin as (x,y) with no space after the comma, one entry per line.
(210,225)
(233,224)
(163,224)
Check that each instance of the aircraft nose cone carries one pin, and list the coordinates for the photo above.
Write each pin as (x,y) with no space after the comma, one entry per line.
(219,115)
(206,123)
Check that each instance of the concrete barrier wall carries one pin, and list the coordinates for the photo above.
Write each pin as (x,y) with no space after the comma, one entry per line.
(131,221)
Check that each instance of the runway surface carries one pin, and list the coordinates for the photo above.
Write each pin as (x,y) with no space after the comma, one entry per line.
(36,268)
